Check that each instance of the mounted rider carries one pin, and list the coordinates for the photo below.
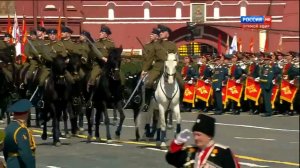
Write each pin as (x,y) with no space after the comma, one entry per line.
(50,51)
(154,64)
(37,39)
(104,45)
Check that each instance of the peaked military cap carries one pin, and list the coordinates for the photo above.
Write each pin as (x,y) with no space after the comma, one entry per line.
(228,56)
(7,35)
(205,124)
(163,28)
(155,31)
(87,35)
(20,106)
(66,30)
(105,29)
(40,28)
(32,32)
(51,31)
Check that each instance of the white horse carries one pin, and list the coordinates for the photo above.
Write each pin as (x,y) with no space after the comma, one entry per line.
(166,96)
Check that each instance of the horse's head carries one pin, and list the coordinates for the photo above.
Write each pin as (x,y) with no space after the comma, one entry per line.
(170,68)
(74,64)
(114,63)
(59,65)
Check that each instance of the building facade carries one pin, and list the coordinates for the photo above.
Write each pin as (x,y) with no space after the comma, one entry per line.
(130,20)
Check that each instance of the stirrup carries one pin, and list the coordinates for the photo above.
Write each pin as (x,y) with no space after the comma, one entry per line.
(89,104)
(41,103)
(21,86)
(145,108)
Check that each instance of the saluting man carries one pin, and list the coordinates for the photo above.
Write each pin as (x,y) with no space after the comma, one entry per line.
(266,77)
(205,153)
(19,145)
(219,76)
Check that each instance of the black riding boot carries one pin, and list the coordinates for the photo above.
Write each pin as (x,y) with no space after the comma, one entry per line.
(148,96)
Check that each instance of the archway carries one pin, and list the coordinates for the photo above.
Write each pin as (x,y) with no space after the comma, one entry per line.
(208,36)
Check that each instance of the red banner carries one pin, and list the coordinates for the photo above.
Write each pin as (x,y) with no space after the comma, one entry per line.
(288,92)
(203,91)
(224,96)
(252,90)
(234,91)
(189,93)
(274,95)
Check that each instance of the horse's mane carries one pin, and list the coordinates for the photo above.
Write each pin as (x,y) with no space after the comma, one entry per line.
(114,57)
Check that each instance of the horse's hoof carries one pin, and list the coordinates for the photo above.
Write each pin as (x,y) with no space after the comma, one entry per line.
(169,126)
(109,141)
(89,138)
(44,136)
(57,144)
(163,146)
(117,137)
(81,129)
(68,135)
(158,144)
(98,139)
(114,123)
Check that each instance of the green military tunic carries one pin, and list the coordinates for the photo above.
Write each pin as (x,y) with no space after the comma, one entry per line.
(104,46)
(19,146)
(50,51)
(157,54)
(32,56)
(8,67)
(266,77)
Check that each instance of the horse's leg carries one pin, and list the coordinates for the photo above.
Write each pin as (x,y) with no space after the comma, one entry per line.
(170,117)
(97,123)
(73,111)
(80,118)
(154,123)
(65,120)
(106,122)
(122,118)
(176,111)
(115,108)
(148,120)
(162,111)
(136,112)
(55,125)
(89,123)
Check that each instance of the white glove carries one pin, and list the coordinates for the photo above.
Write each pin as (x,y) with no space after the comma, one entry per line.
(292,82)
(238,81)
(218,89)
(190,82)
(183,137)
(206,81)
(273,81)
(257,79)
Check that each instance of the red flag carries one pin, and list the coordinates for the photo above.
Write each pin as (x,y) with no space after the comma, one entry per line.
(59,28)
(9,26)
(274,95)
(280,44)
(266,49)
(239,43)
(189,93)
(9,29)
(252,90)
(220,44)
(24,40)
(234,91)
(288,92)
(16,35)
(203,91)
(251,45)
(42,22)
(227,45)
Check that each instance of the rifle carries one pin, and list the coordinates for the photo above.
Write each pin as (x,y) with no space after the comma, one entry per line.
(95,49)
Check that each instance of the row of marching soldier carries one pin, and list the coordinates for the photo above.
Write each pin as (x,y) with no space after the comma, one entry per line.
(265,83)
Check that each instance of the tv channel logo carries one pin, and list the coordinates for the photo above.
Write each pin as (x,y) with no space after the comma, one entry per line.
(256,19)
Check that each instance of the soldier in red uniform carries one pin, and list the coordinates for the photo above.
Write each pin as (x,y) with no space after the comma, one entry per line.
(205,152)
